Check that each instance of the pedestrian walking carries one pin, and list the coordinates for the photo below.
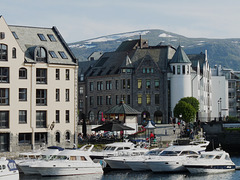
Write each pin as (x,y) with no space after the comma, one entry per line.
(174,129)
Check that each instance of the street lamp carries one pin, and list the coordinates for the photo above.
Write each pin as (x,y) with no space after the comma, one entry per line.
(220,107)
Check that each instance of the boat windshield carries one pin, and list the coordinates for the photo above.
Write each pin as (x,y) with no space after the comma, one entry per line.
(169,153)
(62,157)
(206,156)
(109,148)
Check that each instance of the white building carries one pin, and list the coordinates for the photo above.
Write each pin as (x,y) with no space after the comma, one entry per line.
(38,88)
(191,77)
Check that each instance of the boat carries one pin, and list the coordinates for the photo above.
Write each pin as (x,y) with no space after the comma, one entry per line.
(216,161)
(69,162)
(137,163)
(46,154)
(8,169)
(119,161)
(111,150)
(171,159)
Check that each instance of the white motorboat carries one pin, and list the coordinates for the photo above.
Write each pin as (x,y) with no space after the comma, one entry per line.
(137,163)
(111,150)
(8,169)
(46,154)
(118,161)
(69,162)
(215,161)
(171,159)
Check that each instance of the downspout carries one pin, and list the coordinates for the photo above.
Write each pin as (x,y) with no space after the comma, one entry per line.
(31,109)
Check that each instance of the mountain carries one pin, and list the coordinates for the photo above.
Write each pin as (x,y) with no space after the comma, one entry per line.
(225,52)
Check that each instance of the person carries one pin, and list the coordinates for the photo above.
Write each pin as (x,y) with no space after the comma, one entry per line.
(151,136)
(174,129)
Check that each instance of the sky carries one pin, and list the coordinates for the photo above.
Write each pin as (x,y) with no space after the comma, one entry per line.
(79,20)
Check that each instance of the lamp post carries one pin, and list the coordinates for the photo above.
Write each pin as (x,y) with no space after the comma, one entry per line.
(219,108)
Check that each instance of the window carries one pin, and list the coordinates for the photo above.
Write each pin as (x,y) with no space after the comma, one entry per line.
(99,85)
(41,119)
(81,77)
(139,98)
(178,69)
(91,100)
(117,99)
(4,142)
(22,94)
(67,116)
(91,86)
(128,99)
(81,90)
(41,137)
(3,52)
(108,85)
(157,98)
(42,37)
(53,54)
(148,99)
(2,35)
(173,69)
(25,138)
(144,70)
(57,95)
(67,74)
(67,95)
(22,73)
(4,96)
(148,84)
(41,97)
(15,35)
(128,84)
(62,54)
(4,75)
(57,74)
(57,137)
(183,69)
(67,136)
(99,100)
(51,37)
(108,100)
(139,84)
(4,119)
(22,116)
(14,52)
(123,84)
(41,55)
(116,84)
(41,76)
(156,83)
(57,120)
(80,103)
(188,70)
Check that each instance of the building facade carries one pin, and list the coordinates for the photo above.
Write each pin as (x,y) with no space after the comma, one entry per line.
(38,88)
(144,77)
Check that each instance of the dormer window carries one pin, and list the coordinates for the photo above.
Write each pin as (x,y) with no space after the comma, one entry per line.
(53,54)
(42,37)
(2,35)
(51,37)
(62,54)
(41,55)
(15,35)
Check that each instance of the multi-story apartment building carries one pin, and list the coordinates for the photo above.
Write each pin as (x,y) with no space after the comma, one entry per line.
(229,103)
(38,88)
(145,77)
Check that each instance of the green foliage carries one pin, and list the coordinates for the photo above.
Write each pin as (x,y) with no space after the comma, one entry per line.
(193,101)
(232,119)
(186,110)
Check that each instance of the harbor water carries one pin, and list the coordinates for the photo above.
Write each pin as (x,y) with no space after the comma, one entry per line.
(129,175)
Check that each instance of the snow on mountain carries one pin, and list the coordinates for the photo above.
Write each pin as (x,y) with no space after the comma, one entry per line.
(164,35)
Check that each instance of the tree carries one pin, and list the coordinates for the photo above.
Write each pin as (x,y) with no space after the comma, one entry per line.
(187,111)
(193,101)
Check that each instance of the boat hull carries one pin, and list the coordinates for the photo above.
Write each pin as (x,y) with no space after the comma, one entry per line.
(196,169)
(166,166)
(117,164)
(138,165)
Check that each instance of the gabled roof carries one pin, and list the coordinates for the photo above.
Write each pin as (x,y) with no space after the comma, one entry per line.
(122,108)
(28,39)
(127,63)
(180,56)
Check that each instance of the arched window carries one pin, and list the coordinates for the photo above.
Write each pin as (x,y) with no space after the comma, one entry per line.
(22,73)
(3,52)
(41,54)
(91,117)
(67,136)
(57,137)
(14,53)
